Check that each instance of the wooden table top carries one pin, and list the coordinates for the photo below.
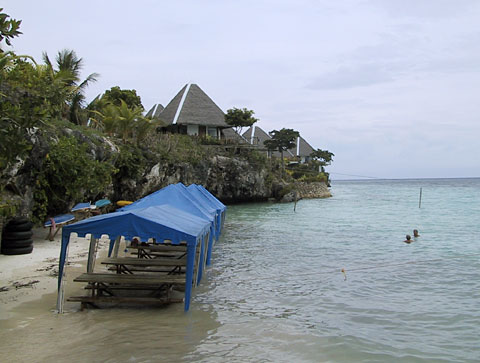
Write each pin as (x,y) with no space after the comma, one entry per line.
(146,262)
(130,279)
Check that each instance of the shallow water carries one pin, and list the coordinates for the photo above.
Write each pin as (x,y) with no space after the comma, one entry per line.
(276,291)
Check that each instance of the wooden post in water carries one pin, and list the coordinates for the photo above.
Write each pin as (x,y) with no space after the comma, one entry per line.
(420,199)
(295,205)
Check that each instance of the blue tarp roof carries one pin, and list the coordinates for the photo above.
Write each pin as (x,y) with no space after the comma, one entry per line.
(160,222)
(177,196)
(194,188)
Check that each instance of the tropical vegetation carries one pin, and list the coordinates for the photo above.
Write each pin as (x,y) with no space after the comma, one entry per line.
(76,151)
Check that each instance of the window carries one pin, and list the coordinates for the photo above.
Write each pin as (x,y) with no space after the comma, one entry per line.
(212,131)
(192,129)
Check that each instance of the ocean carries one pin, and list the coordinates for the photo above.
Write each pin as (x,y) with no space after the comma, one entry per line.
(331,281)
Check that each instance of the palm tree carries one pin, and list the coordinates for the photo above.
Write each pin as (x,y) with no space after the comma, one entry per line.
(127,120)
(68,67)
(144,126)
(109,117)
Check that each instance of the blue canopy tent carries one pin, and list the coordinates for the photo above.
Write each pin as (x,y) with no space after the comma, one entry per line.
(206,203)
(160,222)
(215,201)
(177,196)
(200,195)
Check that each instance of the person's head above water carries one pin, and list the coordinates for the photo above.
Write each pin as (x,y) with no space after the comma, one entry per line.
(408,239)
(415,233)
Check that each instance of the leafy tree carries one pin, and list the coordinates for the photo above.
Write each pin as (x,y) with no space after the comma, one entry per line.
(239,118)
(28,98)
(282,141)
(115,95)
(8,28)
(325,157)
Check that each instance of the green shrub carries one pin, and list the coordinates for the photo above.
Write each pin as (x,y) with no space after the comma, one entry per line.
(130,162)
(69,175)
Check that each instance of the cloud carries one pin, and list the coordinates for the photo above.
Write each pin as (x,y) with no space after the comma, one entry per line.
(424,8)
(349,77)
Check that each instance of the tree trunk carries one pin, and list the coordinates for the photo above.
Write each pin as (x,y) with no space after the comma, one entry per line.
(283,163)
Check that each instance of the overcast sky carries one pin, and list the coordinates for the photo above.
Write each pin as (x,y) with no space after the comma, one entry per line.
(391,87)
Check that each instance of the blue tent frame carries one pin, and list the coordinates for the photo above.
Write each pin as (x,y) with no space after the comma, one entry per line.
(180,197)
(222,207)
(206,197)
(162,222)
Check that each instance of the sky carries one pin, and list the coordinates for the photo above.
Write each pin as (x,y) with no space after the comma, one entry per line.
(391,87)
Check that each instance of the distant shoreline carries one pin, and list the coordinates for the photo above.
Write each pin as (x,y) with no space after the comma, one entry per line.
(369,179)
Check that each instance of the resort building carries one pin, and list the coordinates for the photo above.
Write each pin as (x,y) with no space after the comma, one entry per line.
(192,112)
(155,111)
(302,150)
(256,136)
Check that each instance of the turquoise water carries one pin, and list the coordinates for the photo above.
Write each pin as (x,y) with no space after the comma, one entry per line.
(278,293)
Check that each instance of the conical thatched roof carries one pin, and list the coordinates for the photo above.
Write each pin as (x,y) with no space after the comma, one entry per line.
(192,106)
(155,111)
(302,147)
(231,134)
(256,136)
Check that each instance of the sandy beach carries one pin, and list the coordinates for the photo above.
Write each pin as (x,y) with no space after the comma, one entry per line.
(28,277)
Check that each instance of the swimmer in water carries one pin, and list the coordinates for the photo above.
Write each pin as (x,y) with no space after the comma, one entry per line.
(408,239)
(415,233)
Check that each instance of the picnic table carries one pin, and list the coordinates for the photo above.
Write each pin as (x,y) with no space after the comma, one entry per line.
(107,287)
(152,251)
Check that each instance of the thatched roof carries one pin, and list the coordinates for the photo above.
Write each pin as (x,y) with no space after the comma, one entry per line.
(231,134)
(155,111)
(192,106)
(302,147)
(256,136)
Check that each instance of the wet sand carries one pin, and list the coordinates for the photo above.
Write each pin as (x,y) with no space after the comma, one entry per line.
(27,277)
(32,331)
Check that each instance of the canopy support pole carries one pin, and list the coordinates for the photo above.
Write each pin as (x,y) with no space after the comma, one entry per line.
(201,260)
(92,254)
(191,252)
(117,246)
(210,248)
(196,267)
(61,287)
(207,243)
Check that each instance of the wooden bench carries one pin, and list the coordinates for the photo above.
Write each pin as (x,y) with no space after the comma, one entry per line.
(139,280)
(129,264)
(93,300)
(157,250)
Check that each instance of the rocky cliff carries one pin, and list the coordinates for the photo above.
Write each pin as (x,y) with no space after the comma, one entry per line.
(232,175)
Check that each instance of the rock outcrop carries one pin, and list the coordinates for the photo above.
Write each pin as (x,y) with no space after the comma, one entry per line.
(301,190)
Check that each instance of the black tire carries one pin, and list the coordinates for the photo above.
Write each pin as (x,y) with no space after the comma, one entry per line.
(22,227)
(18,220)
(17,235)
(17,251)
(17,243)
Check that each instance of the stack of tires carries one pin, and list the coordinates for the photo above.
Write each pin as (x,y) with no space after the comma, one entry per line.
(17,237)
